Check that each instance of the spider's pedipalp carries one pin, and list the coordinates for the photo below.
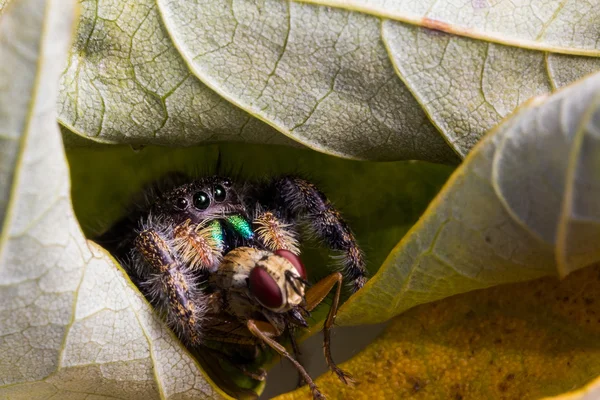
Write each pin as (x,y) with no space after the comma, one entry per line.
(304,201)
(171,287)
(198,246)
(274,234)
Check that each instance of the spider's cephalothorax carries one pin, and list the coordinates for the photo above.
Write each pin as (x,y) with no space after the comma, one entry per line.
(215,255)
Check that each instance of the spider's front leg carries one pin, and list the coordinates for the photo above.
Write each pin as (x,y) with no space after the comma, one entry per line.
(300,199)
(170,286)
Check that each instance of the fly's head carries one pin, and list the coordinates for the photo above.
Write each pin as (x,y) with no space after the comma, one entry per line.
(278,281)
(273,281)
(199,201)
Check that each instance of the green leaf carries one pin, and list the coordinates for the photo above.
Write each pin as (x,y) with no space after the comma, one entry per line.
(521,206)
(71,323)
(519,341)
(366,82)
(381,201)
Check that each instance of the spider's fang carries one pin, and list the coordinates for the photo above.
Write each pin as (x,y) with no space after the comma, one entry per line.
(241,226)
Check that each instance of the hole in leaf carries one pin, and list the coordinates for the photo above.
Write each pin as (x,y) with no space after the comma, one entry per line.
(379,200)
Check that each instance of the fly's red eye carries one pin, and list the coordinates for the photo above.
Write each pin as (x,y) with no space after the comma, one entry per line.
(264,288)
(294,260)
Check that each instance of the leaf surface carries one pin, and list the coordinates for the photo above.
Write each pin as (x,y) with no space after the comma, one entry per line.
(364,80)
(526,341)
(348,82)
(71,324)
(520,207)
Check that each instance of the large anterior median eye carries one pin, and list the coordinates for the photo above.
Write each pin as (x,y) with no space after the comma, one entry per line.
(201,200)
(220,193)
(264,288)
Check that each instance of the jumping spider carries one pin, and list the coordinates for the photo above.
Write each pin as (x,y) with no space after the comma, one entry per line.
(220,260)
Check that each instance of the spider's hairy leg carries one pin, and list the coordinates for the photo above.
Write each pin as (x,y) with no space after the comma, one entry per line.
(303,200)
(171,287)
(198,245)
(274,233)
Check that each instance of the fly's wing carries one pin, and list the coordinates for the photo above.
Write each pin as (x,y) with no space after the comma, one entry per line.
(224,328)
(230,356)
(228,376)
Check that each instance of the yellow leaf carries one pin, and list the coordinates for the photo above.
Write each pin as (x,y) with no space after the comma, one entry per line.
(519,341)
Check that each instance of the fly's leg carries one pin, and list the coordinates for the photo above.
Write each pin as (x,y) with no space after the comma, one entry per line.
(266,332)
(314,296)
(297,353)
(170,286)
(302,199)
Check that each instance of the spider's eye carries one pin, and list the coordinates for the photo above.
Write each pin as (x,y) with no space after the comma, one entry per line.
(227,182)
(181,203)
(264,288)
(201,200)
(294,260)
(220,193)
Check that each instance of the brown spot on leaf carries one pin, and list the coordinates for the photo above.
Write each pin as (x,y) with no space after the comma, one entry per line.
(503,386)
(458,391)
(417,384)
(436,25)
